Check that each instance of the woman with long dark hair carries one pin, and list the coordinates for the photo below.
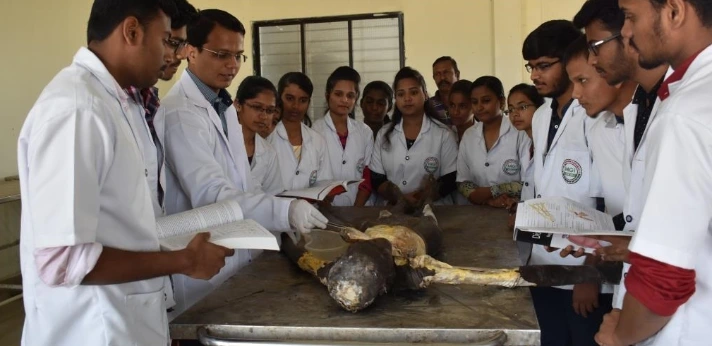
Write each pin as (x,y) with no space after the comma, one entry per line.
(301,151)
(490,151)
(414,145)
(349,143)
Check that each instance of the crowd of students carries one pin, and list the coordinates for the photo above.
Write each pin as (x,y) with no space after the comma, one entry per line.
(615,119)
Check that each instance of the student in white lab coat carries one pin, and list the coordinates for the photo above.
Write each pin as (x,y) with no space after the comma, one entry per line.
(376,103)
(302,154)
(460,107)
(206,161)
(461,118)
(413,146)
(93,272)
(668,296)
(488,164)
(563,166)
(617,62)
(349,143)
(147,102)
(255,102)
(607,136)
(522,101)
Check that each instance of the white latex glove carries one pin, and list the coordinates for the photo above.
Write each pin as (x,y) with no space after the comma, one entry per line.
(303,217)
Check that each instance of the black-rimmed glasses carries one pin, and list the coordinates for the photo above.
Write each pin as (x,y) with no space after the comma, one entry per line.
(541,67)
(593,46)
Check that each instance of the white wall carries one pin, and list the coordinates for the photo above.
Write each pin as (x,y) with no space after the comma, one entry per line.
(485,37)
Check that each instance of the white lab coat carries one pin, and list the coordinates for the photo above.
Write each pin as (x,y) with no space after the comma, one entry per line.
(527,163)
(566,170)
(528,192)
(676,221)
(346,163)
(204,167)
(434,152)
(607,142)
(83,180)
(152,157)
(501,164)
(314,164)
(264,169)
(633,171)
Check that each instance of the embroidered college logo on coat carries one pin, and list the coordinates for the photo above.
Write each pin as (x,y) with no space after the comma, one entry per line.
(511,167)
(571,171)
(431,164)
(360,165)
(312,178)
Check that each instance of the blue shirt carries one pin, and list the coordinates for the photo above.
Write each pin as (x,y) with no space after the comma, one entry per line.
(220,101)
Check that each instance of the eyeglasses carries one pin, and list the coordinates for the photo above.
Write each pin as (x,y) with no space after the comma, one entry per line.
(262,110)
(176,45)
(517,109)
(541,67)
(227,55)
(593,46)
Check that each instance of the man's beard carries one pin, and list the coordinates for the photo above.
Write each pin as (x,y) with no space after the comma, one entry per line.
(653,61)
(560,87)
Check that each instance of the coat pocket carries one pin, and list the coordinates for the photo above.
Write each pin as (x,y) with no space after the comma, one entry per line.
(148,318)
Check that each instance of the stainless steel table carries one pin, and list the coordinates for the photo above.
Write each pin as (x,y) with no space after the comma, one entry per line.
(271,301)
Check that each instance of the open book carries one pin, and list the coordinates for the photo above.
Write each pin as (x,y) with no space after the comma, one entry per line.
(552,221)
(224,221)
(321,189)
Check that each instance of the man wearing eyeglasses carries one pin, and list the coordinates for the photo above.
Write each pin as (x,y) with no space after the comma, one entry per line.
(206,160)
(563,166)
(147,100)
(618,63)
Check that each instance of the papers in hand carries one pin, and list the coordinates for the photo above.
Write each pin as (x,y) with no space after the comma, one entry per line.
(222,220)
(321,189)
(551,221)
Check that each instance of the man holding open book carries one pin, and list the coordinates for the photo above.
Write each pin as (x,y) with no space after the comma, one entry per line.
(206,161)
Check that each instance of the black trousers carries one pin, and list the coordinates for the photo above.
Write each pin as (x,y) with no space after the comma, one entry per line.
(560,324)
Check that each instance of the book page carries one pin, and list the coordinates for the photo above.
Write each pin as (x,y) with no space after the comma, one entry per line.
(319,191)
(198,219)
(241,234)
(562,215)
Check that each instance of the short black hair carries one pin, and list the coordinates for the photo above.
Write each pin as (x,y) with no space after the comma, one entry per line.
(550,40)
(200,28)
(383,87)
(186,13)
(252,86)
(703,8)
(106,15)
(451,60)
(463,86)
(577,49)
(605,11)
(530,92)
(490,82)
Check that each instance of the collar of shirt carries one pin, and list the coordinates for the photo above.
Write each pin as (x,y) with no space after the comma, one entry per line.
(649,97)
(555,107)
(148,98)
(220,101)
(676,76)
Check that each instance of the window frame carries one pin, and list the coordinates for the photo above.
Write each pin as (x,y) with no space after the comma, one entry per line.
(302,22)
